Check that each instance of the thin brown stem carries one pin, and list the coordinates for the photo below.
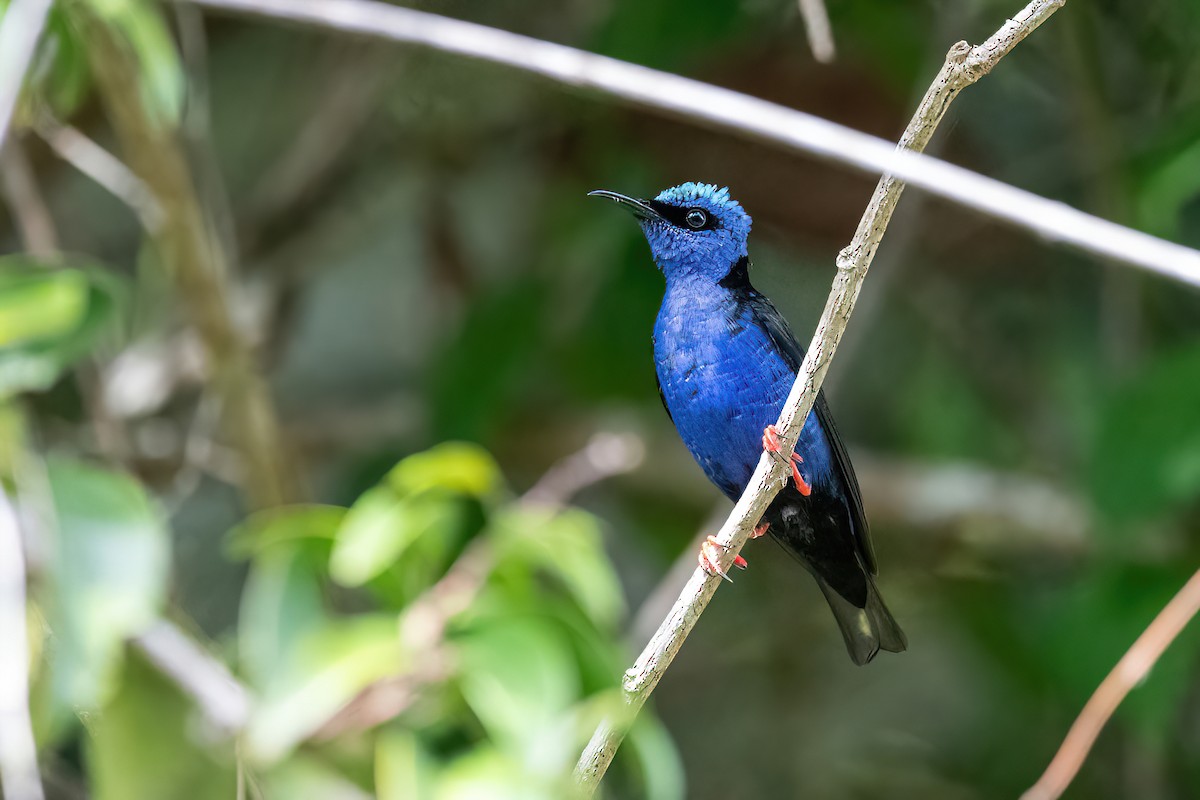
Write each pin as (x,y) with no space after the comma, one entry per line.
(1128,673)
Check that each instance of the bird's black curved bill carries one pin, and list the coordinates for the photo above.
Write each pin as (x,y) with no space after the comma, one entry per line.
(631,204)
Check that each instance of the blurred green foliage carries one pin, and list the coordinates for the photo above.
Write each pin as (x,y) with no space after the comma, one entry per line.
(49,319)
(442,316)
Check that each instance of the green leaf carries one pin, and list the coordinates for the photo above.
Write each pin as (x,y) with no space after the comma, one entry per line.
(108,576)
(281,604)
(454,466)
(49,319)
(569,545)
(143,746)
(487,774)
(308,776)
(293,524)
(39,304)
(1146,458)
(322,671)
(658,759)
(380,528)
(1167,188)
(404,770)
(59,76)
(520,679)
(146,34)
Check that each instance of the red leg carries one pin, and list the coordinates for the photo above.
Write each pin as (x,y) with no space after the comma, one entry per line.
(772,444)
(771,439)
(710,558)
(761,530)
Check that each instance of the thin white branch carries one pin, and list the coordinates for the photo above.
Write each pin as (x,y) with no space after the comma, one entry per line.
(20,30)
(223,701)
(19,775)
(820,33)
(1128,673)
(963,66)
(791,130)
(104,168)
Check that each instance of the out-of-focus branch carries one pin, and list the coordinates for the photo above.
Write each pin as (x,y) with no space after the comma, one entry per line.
(964,65)
(25,201)
(605,455)
(188,248)
(820,33)
(104,168)
(966,496)
(749,117)
(1128,673)
(20,31)
(223,701)
(19,775)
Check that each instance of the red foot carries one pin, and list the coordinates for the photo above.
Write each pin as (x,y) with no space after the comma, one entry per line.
(772,444)
(761,530)
(710,558)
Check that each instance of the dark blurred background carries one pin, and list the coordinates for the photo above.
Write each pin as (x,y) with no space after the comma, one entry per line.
(412,260)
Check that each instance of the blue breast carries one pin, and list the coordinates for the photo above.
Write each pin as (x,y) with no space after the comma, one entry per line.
(723,380)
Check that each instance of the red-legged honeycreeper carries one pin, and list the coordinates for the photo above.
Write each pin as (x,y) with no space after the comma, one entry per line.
(726,360)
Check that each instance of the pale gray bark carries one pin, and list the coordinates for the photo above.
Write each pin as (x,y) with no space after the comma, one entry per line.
(964,65)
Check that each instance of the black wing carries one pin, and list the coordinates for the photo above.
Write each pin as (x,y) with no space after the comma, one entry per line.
(661,396)
(777,328)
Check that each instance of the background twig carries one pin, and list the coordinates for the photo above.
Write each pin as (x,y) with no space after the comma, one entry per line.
(223,701)
(605,455)
(964,65)
(1128,673)
(820,33)
(104,168)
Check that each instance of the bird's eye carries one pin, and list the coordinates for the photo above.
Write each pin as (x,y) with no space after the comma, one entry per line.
(696,219)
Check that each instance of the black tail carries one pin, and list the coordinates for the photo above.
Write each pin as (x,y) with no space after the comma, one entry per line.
(868,629)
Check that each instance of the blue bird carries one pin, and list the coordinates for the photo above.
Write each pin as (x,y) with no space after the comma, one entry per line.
(725,361)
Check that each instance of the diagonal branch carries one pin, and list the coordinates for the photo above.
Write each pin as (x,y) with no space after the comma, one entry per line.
(72,146)
(1128,673)
(964,65)
(759,120)
(820,33)
(224,702)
